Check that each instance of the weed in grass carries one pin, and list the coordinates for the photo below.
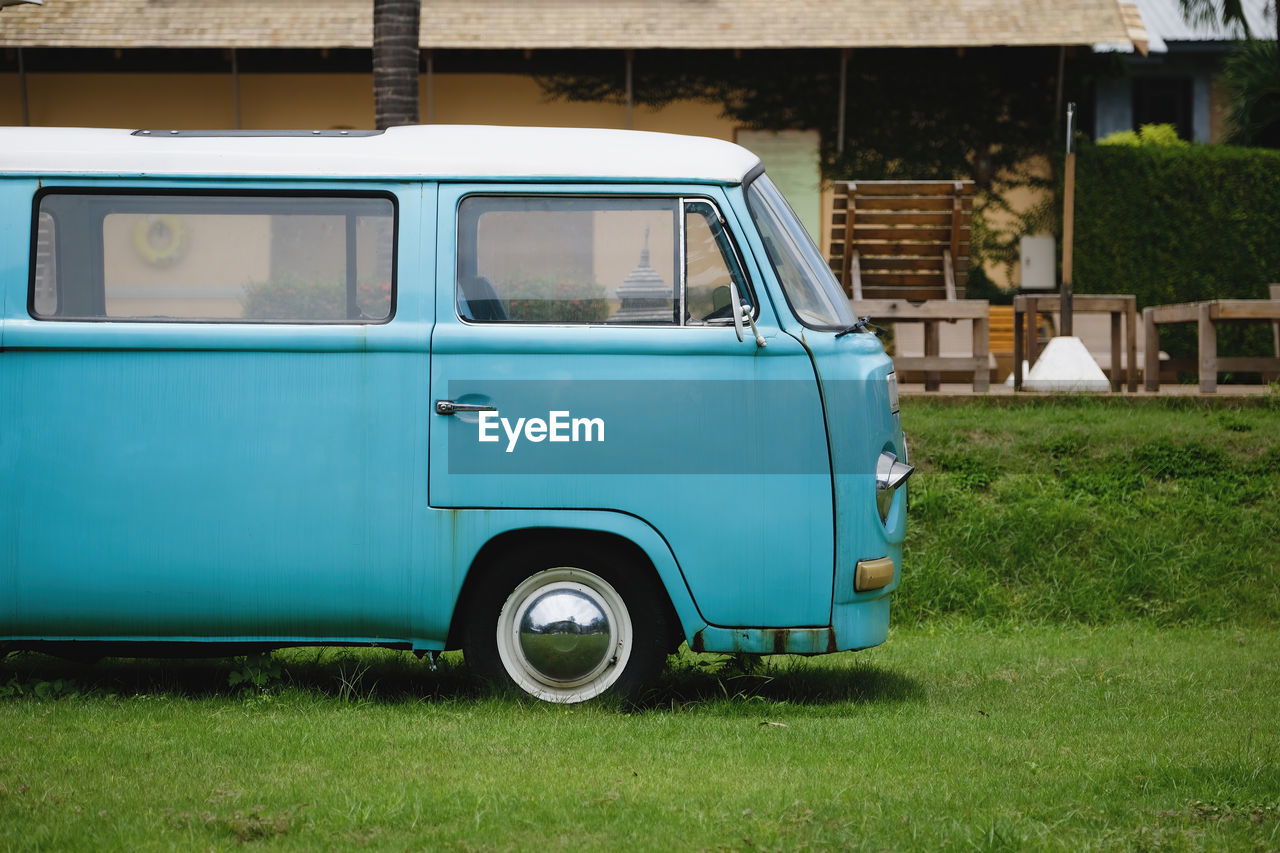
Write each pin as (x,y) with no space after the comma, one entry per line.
(1234,422)
(58,688)
(1164,459)
(252,824)
(350,679)
(1253,812)
(967,471)
(692,680)
(255,671)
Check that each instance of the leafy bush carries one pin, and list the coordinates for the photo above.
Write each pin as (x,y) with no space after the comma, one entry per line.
(1148,134)
(294,298)
(568,297)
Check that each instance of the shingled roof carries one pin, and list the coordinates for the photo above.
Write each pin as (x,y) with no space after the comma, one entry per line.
(559,24)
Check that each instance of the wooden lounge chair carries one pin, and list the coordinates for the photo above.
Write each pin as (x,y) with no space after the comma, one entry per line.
(901,252)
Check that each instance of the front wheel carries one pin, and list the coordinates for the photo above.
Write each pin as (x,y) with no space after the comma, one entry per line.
(567,630)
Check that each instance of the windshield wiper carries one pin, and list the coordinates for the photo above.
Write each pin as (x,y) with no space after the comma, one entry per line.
(863,325)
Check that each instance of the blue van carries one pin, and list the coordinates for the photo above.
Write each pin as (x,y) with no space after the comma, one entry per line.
(563,399)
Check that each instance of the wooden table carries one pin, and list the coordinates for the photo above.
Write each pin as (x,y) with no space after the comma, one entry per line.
(1117,305)
(1207,316)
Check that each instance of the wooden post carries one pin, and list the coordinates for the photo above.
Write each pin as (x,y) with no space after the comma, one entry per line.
(1033,331)
(848,275)
(1150,340)
(1068,221)
(431,85)
(981,353)
(1208,349)
(840,106)
(1275,325)
(22,87)
(932,348)
(1017,347)
(1115,376)
(1131,342)
(235,90)
(1062,67)
(631,57)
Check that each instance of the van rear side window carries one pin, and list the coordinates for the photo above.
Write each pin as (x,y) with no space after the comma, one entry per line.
(213,258)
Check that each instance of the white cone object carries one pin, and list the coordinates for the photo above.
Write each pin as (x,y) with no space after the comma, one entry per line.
(1065,365)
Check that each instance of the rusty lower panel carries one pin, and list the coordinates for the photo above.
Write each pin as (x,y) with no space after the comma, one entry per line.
(765,641)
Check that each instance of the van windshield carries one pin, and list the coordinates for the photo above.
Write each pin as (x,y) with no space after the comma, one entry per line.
(811,290)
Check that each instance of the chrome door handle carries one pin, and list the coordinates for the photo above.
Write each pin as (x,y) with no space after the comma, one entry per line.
(448,407)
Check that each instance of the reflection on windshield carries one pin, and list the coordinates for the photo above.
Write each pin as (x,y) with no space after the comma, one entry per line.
(811,290)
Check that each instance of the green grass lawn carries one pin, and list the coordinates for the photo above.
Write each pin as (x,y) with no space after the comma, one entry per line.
(1123,737)
(1094,510)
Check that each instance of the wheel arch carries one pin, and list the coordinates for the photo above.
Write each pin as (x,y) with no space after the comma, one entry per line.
(660,567)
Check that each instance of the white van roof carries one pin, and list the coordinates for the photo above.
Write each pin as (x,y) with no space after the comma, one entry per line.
(430,151)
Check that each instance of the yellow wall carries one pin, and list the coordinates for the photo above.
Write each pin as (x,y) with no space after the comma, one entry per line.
(120,100)
(318,101)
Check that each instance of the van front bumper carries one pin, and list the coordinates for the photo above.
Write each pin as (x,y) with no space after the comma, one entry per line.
(856,625)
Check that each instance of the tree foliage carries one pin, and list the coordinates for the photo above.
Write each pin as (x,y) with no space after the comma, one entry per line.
(1229,14)
(919,113)
(1252,72)
(1252,76)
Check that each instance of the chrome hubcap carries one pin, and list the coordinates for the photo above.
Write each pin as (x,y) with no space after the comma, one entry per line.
(565,634)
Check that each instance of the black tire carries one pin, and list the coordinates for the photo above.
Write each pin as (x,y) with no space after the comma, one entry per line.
(570,662)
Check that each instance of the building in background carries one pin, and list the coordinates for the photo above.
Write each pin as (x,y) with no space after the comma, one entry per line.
(1176,82)
(293,64)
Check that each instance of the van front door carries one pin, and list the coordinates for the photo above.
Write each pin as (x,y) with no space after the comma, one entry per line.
(584,358)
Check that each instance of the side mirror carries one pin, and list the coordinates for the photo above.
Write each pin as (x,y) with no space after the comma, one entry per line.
(742,312)
(737,311)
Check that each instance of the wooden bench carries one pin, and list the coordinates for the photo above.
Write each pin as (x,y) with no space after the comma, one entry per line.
(1207,316)
(901,252)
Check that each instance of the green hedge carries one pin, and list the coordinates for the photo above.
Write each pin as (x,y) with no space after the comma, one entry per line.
(1179,224)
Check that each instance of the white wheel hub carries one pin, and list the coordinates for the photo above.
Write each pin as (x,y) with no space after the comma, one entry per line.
(564,635)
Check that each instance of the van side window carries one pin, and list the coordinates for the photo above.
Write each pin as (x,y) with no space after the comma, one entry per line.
(45,290)
(710,268)
(213,258)
(578,260)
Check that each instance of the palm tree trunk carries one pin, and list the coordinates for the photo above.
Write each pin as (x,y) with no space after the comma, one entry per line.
(395,62)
